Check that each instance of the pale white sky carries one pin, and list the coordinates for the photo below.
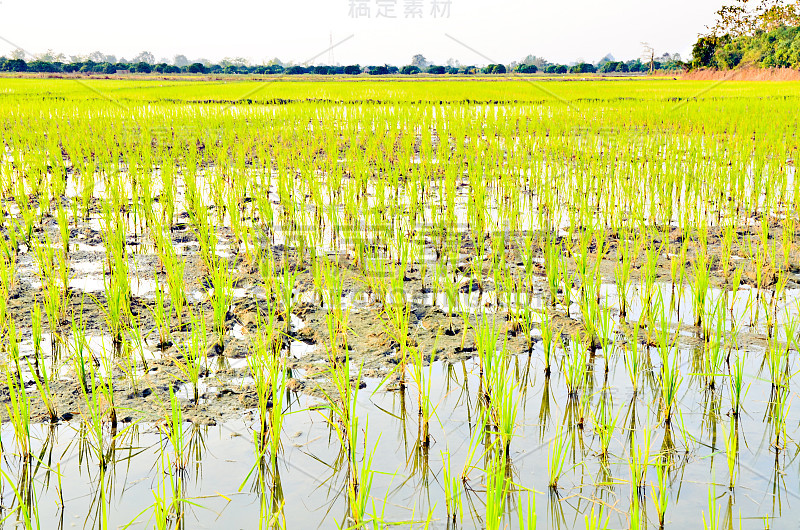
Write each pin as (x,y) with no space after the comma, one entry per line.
(297,30)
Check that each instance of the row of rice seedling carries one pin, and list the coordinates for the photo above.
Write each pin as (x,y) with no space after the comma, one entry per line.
(623,235)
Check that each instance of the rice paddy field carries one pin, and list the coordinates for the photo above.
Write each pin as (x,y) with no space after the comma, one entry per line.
(514,303)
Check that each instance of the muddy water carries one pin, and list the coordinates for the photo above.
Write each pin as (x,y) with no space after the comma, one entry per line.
(408,478)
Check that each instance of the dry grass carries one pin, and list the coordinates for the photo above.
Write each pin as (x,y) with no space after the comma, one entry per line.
(745,74)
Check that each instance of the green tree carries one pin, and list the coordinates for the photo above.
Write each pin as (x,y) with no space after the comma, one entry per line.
(16,65)
(582,68)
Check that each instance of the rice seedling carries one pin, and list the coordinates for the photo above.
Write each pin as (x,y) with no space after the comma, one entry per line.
(18,411)
(738,390)
(46,394)
(194,362)
(547,331)
(470,197)
(221,297)
(604,426)
(700,288)
(574,366)
(161,317)
(79,348)
(622,272)
(286,293)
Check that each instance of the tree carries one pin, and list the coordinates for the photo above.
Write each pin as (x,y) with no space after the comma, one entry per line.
(145,57)
(649,55)
(180,60)
(494,69)
(538,62)
(745,18)
(352,69)
(142,68)
(43,66)
(197,68)
(436,70)
(16,65)
(51,57)
(420,61)
(235,61)
(378,70)
(583,68)
(98,57)
(527,68)
(704,49)
(410,70)
(607,59)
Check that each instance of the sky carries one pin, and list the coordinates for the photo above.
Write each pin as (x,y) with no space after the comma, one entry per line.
(362,31)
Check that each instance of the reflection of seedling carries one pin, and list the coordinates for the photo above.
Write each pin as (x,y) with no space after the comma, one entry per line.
(175,432)
(713,520)
(452,490)
(559,449)
(498,486)
(661,495)
(731,439)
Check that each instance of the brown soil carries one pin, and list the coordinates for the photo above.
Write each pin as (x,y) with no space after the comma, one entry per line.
(744,74)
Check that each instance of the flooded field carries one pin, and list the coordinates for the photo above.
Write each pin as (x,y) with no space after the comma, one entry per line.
(493,312)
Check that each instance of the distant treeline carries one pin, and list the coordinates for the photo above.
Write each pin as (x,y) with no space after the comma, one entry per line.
(19,65)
